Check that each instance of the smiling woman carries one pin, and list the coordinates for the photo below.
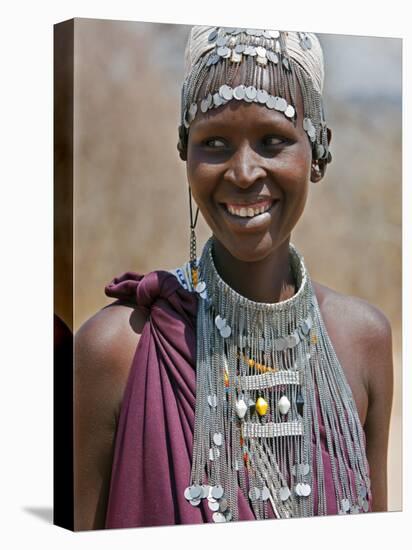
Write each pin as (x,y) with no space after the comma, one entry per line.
(253,392)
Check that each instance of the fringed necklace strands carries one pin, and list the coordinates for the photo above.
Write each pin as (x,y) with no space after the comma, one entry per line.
(260,368)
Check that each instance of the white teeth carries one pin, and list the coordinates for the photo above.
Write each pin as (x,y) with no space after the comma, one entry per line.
(248,212)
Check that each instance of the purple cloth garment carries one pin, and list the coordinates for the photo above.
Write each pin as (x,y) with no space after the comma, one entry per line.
(153,449)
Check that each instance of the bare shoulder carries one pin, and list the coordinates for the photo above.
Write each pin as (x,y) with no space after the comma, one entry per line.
(356,324)
(362,319)
(105,345)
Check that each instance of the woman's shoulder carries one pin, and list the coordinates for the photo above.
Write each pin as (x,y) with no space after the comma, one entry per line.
(360,332)
(352,313)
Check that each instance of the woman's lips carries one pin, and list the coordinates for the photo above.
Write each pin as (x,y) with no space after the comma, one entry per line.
(245,222)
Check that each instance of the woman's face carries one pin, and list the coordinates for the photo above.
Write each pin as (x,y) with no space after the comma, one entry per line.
(243,159)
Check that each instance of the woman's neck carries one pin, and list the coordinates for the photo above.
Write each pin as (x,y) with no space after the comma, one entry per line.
(269,280)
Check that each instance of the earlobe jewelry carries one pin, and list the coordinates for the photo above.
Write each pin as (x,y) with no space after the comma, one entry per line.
(193,254)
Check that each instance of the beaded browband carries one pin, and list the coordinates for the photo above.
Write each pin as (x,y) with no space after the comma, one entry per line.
(270,65)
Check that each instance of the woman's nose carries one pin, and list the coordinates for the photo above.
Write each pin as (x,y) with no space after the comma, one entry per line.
(245,167)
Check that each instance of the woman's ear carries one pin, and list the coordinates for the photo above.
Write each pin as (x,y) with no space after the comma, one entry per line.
(182,150)
(182,143)
(319,166)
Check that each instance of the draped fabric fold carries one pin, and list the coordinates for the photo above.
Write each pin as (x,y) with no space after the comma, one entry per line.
(153,448)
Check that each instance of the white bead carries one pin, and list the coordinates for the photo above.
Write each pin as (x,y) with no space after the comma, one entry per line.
(241,408)
(284,405)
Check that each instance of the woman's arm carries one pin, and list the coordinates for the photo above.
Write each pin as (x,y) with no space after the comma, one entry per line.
(104,350)
(378,350)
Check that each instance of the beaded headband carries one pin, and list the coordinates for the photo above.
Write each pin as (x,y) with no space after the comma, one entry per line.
(268,63)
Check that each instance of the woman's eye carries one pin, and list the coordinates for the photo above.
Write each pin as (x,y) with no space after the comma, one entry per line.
(273,140)
(215,143)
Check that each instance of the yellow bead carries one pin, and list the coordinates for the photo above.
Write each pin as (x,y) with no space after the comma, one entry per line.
(261,406)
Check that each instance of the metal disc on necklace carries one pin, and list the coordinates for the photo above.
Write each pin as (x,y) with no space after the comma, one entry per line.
(195,491)
(284,493)
(212,36)
(212,400)
(220,322)
(363,491)
(270,103)
(226,92)
(365,505)
(218,517)
(203,295)
(200,287)
(217,491)
(305,489)
(265,494)
(254,493)
(221,40)
(251,92)
(262,96)
(345,504)
(213,505)
(218,439)
(298,489)
(187,494)
(195,502)
(281,104)
(308,42)
(290,111)
(205,491)
(226,331)
(305,469)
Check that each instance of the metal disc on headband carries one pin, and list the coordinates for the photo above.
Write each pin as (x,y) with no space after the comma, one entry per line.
(290,111)
(240,48)
(212,36)
(272,57)
(217,100)
(270,103)
(273,34)
(260,51)
(262,96)
(221,40)
(239,92)
(229,30)
(226,92)
(265,493)
(250,92)
(223,51)
(281,104)
(204,105)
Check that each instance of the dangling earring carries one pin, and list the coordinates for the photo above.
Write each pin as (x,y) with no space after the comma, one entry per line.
(193,254)
(316,172)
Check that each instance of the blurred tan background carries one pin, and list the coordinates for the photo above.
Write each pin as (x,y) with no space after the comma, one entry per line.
(130,194)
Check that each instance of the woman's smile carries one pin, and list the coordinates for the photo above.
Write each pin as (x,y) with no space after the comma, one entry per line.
(249,169)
